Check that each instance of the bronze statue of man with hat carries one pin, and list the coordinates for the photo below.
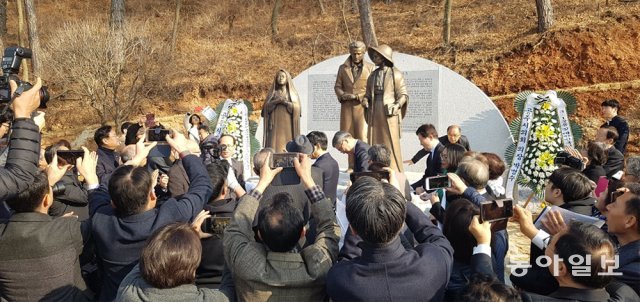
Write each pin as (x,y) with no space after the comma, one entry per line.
(385,103)
(350,87)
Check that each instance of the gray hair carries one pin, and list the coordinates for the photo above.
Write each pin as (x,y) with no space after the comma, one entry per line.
(474,172)
(260,158)
(633,166)
(340,137)
(127,153)
(380,154)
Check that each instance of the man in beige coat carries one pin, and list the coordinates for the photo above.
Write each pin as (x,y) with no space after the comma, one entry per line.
(385,103)
(350,87)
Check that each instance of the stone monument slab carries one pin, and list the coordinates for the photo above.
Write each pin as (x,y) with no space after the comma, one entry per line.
(437,95)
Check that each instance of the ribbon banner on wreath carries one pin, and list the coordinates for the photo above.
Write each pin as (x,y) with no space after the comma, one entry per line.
(233,120)
(542,130)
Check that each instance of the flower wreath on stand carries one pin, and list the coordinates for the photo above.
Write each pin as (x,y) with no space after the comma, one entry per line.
(542,130)
(233,119)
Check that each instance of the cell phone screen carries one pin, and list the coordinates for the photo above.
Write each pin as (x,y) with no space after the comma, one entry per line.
(69,156)
(215,225)
(284,160)
(437,182)
(157,135)
(492,211)
(379,175)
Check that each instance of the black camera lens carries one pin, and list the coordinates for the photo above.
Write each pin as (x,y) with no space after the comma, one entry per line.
(58,189)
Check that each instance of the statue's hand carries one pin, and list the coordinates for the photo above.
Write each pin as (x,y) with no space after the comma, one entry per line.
(365,103)
(289,106)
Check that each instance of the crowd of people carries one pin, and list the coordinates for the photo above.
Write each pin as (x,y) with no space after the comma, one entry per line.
(178,220)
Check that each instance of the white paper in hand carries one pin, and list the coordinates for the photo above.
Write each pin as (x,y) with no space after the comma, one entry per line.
(209,113)
(567,216)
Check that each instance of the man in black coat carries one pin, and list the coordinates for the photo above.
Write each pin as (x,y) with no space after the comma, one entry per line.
(609,110)
(376,266)
(615,159)
(24,144)
(587,246)
(454,136)
(326,163)
(108,159)
(345,143)
(428,138)
(125,216)
(39,253)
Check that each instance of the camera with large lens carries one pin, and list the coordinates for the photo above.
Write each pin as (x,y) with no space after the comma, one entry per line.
(10,67)
(566,159)
(58,189)
(212,150)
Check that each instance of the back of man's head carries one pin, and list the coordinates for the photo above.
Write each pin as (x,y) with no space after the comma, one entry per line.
(427,129)
(101,133)
(261,158)
(485,288)
(586,242)
(474,173)
(129,188)
(380,155)
(218,171)
(318,138)
(573,184)
(128,153)
(280,223)
(340,137)
(375,210)
(632,169)
(31,198)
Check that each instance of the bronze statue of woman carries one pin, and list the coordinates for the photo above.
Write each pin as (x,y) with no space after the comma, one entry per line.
(281,113)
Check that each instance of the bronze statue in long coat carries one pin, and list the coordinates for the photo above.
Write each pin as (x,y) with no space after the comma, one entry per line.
(386,102)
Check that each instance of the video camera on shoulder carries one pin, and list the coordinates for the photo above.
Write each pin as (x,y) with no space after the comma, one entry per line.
(566,159)
(10,67)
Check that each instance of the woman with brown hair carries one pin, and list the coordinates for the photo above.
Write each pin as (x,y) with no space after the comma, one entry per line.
(167,269)
(281,113)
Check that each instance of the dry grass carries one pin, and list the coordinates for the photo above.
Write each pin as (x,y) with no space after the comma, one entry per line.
(225,49)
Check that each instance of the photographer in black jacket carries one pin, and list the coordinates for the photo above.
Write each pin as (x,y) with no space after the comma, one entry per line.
(24,143)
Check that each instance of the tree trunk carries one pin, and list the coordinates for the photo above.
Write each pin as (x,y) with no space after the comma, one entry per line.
(366,22)
(174,34)
(446,28)
(3,18)
(545,15)
(21,42)
(274,19)
(116,23)
(322,11)
(34,40)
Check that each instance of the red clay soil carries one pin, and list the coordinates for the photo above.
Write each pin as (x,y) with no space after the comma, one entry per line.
(605,53)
